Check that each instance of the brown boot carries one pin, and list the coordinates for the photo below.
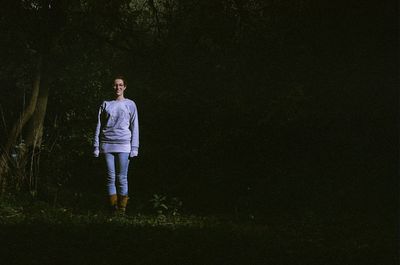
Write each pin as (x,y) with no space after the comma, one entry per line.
(122,202)
(113,203)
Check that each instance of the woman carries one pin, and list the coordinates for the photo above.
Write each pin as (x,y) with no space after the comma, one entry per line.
(117,137)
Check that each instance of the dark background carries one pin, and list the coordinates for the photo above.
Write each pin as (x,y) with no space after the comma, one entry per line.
(244,106)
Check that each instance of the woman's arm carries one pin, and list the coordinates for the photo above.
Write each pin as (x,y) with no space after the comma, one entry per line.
(96,141)
(134,127)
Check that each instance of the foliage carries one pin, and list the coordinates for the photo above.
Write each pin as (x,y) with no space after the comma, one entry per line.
(33,228)
(159,203)
(162,205)
(275,95)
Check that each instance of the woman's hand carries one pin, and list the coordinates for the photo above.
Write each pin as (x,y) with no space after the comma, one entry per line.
(96,152)
(133,153)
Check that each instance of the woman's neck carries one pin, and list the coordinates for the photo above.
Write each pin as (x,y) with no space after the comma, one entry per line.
(119,98)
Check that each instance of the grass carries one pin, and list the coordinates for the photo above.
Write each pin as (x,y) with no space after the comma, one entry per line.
(39,234)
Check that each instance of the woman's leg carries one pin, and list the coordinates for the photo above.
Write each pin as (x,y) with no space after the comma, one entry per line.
(110,162)
(110,183)
(122,177)
(122,173)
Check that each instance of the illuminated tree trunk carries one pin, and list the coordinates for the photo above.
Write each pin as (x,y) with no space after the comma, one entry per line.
(19,125)
(51,19)
(33,138)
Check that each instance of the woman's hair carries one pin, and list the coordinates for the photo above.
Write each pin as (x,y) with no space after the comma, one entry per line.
(122,78)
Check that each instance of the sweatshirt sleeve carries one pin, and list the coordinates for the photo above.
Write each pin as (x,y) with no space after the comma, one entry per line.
(98,128)
(134,127)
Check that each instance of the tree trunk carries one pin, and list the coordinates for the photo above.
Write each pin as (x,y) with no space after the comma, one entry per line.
(19,124)
(52,19)
(34,136)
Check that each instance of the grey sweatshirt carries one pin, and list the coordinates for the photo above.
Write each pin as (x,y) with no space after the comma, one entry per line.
(117,127)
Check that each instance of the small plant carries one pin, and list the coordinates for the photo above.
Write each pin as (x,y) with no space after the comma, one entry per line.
(175,206)
(163,206)
(159,204)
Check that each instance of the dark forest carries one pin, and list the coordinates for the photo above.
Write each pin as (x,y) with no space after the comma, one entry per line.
(255,116)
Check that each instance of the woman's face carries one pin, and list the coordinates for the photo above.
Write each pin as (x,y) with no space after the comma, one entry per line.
(119,87)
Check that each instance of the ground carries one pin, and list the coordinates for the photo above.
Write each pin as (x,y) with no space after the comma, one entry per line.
(43,235)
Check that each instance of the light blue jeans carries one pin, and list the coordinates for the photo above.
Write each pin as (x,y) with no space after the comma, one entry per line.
(117,169)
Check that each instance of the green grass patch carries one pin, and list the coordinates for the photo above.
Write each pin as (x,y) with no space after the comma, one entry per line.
(36,233)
